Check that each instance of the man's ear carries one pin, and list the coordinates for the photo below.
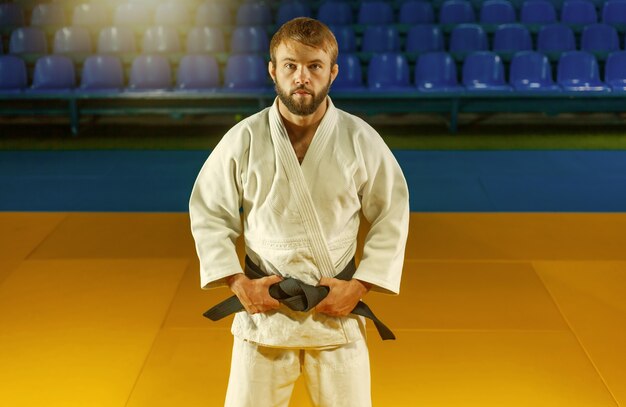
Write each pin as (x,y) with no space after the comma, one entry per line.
(334,71)
(272,70)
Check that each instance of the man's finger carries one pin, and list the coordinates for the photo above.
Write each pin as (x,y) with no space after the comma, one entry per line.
(273,279)
(321,307)
(326,281)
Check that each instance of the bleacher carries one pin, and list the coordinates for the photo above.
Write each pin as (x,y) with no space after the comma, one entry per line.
(79,58)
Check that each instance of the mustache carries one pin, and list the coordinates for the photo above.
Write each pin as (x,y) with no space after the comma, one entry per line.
(301,87)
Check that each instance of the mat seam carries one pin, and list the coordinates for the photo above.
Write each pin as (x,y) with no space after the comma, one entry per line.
(41,242)
(570,326)
(150,350)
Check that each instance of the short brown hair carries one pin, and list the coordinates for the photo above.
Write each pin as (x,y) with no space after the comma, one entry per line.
(307,31)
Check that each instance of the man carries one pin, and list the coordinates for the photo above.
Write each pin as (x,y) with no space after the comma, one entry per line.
(337,165)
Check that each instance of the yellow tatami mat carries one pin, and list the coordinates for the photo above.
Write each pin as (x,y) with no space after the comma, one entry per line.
(469,295)
(527,236)
(6,267)
(21,233)
(77,332)
(592,296)
(119,235)
(480,369)
(105,309)
(189,367)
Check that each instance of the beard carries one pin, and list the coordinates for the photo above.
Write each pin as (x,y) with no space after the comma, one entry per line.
(299,105)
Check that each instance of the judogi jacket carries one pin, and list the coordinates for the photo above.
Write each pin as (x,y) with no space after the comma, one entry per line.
(348,169)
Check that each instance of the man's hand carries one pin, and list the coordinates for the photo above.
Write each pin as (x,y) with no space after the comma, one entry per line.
(254,294)
(343,296)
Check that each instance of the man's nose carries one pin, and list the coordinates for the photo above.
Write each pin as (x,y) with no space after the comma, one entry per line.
(302,76)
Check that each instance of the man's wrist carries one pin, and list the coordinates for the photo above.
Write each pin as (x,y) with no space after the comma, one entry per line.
(366,286)
(230,280)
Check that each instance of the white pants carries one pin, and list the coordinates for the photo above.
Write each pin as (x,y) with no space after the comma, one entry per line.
(261,376)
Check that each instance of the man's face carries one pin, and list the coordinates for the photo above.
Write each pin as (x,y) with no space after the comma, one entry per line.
(302,77)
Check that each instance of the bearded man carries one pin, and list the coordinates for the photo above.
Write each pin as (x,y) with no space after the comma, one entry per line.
(300,174)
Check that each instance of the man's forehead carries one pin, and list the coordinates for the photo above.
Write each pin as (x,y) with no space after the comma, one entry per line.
(290,49)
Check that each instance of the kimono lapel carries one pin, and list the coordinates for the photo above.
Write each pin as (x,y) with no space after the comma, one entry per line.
(321,138)
(289,162)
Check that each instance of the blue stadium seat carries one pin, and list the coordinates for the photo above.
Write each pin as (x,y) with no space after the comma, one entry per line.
(205,39)
(91,15)
(54,73)
(537,12)
(254,14)
(484,71)
(102,73)
(578,12)
(497,12)
(510,38)
(558,4)
(436,72)
(246,40)
(212,13)
(246,73)
(466,38)
(531,72)
(70,40)
(615,71)
(578,72)
(48,14)
(388,72)
(133,14)
(375,12)
(161,39)
(346,38)
(116,40)
(13,75)
(172,13)
(598,4)
(290,10)
(28,40)
(456,12)
(614,13)
(555,39)
(350,76)
(416,12)
(11,15)
(424,38)
(381,38)
(197,72)
(335,13)
(150,72)
(599,38)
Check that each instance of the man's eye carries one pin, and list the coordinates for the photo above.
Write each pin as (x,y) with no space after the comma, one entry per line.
(290,66)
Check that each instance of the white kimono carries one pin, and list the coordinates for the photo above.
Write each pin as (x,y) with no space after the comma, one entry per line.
(347,169)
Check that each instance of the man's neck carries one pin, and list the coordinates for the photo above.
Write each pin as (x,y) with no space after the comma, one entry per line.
(301,126)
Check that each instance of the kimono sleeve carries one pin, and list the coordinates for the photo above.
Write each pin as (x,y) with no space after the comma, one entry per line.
(385,205)
(214,208)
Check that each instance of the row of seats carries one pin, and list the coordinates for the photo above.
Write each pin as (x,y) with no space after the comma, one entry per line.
(148,72)
(469,37)
(529,71)
(452,12)
(174,13)
(98,14)
(464,38)
(75,39)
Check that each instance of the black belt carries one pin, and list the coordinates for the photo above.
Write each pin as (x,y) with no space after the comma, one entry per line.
(298,296)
